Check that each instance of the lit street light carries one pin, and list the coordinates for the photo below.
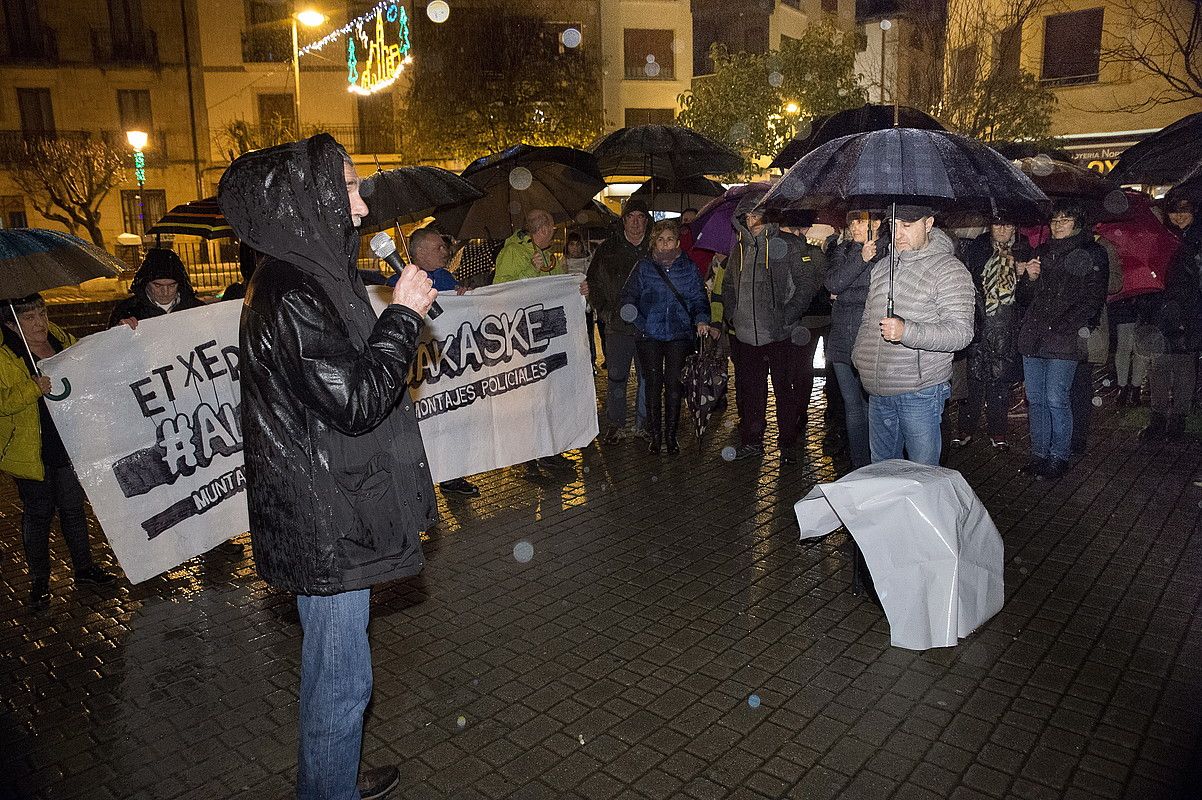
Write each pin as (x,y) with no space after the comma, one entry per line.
(137,140)
(310,18)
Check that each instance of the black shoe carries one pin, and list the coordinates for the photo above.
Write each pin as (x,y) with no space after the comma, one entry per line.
(1156,427)
(613,435)
(375,783)
(39,594)
(673,446)
(230,549)
(790,455)
(531,472)
(1034,466)
(1053,470)
(1134,398)
(94,576)
(459,486)
(1124,397)
(557,461)
(654,444)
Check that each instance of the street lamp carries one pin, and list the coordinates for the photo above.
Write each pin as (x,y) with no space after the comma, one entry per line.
(137,140)
(310,18)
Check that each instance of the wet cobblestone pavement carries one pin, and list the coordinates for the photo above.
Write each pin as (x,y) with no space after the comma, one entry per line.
(669,637)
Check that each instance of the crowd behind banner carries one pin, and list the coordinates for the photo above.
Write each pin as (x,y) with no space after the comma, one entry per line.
(1054,308)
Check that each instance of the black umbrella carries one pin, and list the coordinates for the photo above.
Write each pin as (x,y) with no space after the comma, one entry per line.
(869,117)
(34,259)
(410,194)
(1163,157)
(664,195)
(560,180)
(906,165)
(195,218)
(1058,179)
(1190,186)
(663,151)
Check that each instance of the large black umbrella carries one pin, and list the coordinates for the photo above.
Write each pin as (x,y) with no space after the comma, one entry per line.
(868,117)
(664,195)
(663,151)
(195,218)
(1163,157)
(560,180)
(906,165)
(34,259)
(1190,187)
(410,194)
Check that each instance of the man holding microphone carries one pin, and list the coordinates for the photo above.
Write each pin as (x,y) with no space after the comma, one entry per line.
(338,485)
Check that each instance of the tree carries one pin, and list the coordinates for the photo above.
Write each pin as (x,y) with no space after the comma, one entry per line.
(1162,38)
(67,179)
(981,89)
(496,78)
(754,102)
(238,136)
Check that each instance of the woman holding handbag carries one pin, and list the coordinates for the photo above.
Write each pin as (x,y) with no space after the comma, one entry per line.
(665,301)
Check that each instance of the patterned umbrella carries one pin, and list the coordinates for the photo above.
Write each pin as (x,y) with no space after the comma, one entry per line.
(869,117)
(663,151)
(195,218)
(410,194)
(34,259)
(705,382)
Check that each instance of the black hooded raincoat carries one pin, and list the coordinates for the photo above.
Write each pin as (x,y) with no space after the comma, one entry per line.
(337,482)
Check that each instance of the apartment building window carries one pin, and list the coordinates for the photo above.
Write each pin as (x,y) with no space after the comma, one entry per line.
(133,107)
(964,69)
(1072,45)
(649,54)
(830,6)
(37,112)
(1007,49)
(125,20)
(138,215)
(12,211)
(277,109)
(649,116)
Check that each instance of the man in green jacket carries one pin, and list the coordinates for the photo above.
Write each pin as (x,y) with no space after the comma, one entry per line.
(525,254)
(35,455)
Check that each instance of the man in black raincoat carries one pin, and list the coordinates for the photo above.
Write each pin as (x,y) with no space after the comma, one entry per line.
(337,483)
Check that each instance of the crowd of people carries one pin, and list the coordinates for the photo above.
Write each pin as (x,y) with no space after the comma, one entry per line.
(898,300)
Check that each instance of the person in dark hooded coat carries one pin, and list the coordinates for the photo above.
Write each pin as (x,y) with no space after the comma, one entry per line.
(338,487)
(159,287)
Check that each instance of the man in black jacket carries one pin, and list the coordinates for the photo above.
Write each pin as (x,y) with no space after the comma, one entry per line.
(337,483)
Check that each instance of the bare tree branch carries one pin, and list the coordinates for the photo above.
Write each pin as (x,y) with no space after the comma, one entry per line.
(1163,38)
(68,179)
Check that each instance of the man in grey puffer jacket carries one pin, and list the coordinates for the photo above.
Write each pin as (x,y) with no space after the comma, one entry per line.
(905,360)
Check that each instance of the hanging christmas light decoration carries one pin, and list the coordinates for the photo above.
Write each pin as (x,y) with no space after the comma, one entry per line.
(373,62)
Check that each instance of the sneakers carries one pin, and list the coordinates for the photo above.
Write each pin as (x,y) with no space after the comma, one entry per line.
(460,486)
(39,594)
(999,444)
(748,451)
(94,576)
(963,440)
(375,783)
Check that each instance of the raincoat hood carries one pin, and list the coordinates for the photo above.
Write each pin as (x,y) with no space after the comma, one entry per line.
(160,264)
(290,202)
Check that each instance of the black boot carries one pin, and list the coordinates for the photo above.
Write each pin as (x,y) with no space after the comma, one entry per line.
(1124,397)
(671,423)
(654,438)
(1134,397)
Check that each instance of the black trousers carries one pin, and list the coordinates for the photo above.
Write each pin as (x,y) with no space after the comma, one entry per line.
(39,500)
(661,363)
(1080,398)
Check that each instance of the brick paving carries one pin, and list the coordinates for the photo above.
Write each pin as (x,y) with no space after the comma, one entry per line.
(670,637)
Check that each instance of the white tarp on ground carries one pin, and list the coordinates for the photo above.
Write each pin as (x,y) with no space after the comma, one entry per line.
(153,426)
(933,551)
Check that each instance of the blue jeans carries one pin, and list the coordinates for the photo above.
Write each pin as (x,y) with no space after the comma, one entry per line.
(335,688)
(908,423)
(1047,382)
(619,356)
(855,411)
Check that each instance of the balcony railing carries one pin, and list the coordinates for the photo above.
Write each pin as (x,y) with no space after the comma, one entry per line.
(639,72)
(1069,80)
(12,143)
(266,45)
(139,47)
(366,140)
(40,45)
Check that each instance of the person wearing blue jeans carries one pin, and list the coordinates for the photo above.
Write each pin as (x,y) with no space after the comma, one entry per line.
(1047,382)
(337,484)
(908,425)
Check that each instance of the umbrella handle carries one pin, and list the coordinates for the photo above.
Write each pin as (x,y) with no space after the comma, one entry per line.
(66,391)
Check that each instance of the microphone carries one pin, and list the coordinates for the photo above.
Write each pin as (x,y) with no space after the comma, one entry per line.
(385,250)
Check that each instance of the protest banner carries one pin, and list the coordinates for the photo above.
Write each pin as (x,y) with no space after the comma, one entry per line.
(151,416)
(151,420)
(503,375)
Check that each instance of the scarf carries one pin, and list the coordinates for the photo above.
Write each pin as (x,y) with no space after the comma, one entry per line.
(665,259)
(999,278)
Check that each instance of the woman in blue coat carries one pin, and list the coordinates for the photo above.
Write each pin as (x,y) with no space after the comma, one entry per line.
(664,299)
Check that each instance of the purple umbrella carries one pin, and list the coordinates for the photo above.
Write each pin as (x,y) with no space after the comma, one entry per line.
(712,229)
